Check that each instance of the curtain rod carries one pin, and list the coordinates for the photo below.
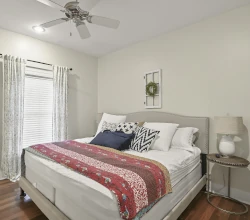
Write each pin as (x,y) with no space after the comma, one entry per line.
(33,61)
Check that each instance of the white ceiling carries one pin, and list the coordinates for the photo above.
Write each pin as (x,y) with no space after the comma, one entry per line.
(140,20)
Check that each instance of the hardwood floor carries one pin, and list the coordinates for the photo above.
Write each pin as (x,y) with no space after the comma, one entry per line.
(200,209)
(12,207)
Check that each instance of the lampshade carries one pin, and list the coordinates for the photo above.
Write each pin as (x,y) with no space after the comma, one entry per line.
(229,125)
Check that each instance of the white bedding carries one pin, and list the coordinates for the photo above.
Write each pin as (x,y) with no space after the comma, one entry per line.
(178,162)
(78,196)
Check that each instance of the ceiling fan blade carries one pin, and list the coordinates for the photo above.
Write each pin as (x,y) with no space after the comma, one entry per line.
(51,4)
(102,21)
(87,5)
(83,30)
(55,22)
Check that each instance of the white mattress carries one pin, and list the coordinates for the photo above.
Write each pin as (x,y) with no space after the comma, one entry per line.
(158,212)
(66,188)
(168,202)
(66,202)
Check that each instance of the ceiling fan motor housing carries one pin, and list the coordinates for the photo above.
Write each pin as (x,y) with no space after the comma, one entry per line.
(73,11)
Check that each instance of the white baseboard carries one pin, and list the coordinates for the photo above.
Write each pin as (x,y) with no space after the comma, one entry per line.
(237,194)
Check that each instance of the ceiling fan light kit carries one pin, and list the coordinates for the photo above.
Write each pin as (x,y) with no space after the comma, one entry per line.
(78,16)
(38,29)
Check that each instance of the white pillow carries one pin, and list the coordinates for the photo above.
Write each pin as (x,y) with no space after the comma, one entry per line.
(183,138)
(109,126)
(110,119)
(163,141)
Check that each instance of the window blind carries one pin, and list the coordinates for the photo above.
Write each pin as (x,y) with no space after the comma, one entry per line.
(38,107)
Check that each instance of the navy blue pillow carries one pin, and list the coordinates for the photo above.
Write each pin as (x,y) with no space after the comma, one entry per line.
(116,140)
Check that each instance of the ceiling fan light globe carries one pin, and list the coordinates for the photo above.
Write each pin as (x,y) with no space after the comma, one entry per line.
(38,29)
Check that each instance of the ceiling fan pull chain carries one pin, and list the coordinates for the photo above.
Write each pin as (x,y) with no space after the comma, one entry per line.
(70,29)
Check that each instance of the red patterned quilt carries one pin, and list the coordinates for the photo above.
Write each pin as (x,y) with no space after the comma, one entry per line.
(137,182)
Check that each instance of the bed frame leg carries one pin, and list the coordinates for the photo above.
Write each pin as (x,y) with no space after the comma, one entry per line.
(22,194)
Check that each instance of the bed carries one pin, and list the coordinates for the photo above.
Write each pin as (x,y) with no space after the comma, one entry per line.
(50,185)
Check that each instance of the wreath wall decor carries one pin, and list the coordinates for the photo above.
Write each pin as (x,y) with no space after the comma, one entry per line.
(151,89)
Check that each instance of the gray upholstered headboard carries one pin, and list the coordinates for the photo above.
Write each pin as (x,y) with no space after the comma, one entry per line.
(202,123)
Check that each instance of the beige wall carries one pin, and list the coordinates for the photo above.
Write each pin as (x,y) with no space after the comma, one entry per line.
(82,80)
(206,72)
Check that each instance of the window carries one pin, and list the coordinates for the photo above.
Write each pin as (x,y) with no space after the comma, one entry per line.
(38,107)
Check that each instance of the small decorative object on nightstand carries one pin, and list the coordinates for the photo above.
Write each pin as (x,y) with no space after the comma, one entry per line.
(231,162)
(228,126)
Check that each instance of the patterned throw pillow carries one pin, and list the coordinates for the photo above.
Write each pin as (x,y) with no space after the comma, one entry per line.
(108,126)
(127,127)
(143,139)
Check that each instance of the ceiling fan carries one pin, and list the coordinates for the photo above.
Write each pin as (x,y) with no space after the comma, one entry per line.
(79,17)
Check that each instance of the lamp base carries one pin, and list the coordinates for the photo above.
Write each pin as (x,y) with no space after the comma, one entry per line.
(227,146)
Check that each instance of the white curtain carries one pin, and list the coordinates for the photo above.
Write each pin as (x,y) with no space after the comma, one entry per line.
(14,78)
(60,115)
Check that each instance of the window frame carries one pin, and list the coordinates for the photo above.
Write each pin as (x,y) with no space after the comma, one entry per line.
(43,72)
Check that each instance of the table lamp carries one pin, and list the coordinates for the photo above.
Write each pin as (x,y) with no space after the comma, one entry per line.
(228,126)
